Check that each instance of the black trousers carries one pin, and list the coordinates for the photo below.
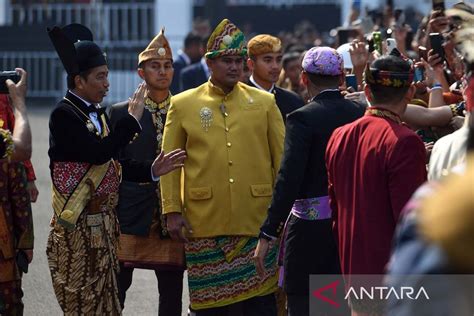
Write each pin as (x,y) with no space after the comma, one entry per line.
(298,305)
(255,306)
(170,289)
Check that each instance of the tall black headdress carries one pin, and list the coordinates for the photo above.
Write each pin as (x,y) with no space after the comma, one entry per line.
(75,46)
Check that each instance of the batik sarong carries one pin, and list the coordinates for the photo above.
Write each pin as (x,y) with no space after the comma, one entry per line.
(83,261)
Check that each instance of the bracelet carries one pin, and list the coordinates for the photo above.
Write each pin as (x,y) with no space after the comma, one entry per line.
(436,85)
(436,88)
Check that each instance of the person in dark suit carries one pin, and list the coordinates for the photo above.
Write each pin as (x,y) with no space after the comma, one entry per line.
(144,240)
(192,52)
(194,75)
(265,63)
(301,187)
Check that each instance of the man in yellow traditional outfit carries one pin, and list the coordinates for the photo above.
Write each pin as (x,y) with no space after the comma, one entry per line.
(233,135)
(82,243)
(144,240)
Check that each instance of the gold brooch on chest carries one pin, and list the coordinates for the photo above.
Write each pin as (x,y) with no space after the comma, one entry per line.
(90,126)
(206,118)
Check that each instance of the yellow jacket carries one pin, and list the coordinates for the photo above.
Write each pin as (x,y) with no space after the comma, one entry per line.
(230,167)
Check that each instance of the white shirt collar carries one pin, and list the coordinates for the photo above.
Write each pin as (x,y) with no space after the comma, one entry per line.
(205,67)
(87,103)
(252,80)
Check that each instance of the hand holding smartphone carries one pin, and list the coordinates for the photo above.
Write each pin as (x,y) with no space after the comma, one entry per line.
(351,81)
(436,42)
(419,74)
(391,45)
(423,53)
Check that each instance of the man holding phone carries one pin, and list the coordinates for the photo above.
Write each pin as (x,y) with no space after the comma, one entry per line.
(18,118)
(8,115)
(16,220)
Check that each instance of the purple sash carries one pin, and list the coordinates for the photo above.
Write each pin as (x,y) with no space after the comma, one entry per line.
(308,209)
(312,209)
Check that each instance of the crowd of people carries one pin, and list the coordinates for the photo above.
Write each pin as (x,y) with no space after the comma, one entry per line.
(251,165)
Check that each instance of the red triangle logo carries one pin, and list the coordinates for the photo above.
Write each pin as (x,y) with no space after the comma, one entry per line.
(331,286)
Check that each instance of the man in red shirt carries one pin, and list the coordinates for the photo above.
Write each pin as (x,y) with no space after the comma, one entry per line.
(374,165)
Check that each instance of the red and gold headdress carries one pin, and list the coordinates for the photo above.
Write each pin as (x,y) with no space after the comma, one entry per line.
(393,79)
(388,78)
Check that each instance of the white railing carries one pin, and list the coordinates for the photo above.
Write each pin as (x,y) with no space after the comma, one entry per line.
(271,3)
(113,24)
(46,76)
(44,71)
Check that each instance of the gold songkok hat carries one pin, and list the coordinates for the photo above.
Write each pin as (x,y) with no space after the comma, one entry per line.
(159,48)
(263,44)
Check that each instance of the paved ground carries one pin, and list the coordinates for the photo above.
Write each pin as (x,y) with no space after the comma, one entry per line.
(39,297)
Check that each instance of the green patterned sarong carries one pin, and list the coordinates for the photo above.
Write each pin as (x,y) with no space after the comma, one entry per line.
(221,271)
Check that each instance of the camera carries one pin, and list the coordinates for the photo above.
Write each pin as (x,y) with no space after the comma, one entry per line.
(4,76)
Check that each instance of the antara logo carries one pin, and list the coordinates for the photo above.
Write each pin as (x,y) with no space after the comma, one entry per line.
(374,292)
(384,293)
(331,286)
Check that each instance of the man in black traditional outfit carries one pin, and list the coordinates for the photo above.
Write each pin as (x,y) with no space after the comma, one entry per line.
(82,244)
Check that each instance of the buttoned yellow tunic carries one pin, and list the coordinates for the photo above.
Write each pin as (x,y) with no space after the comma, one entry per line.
(234,145)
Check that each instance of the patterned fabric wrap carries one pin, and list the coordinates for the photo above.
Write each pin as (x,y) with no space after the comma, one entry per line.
(83,262)
(151,252)
(221,271)
(312,209)
(226,39)
(6,144)
(385,78)
(324,61)
(7,121)
(16,220)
